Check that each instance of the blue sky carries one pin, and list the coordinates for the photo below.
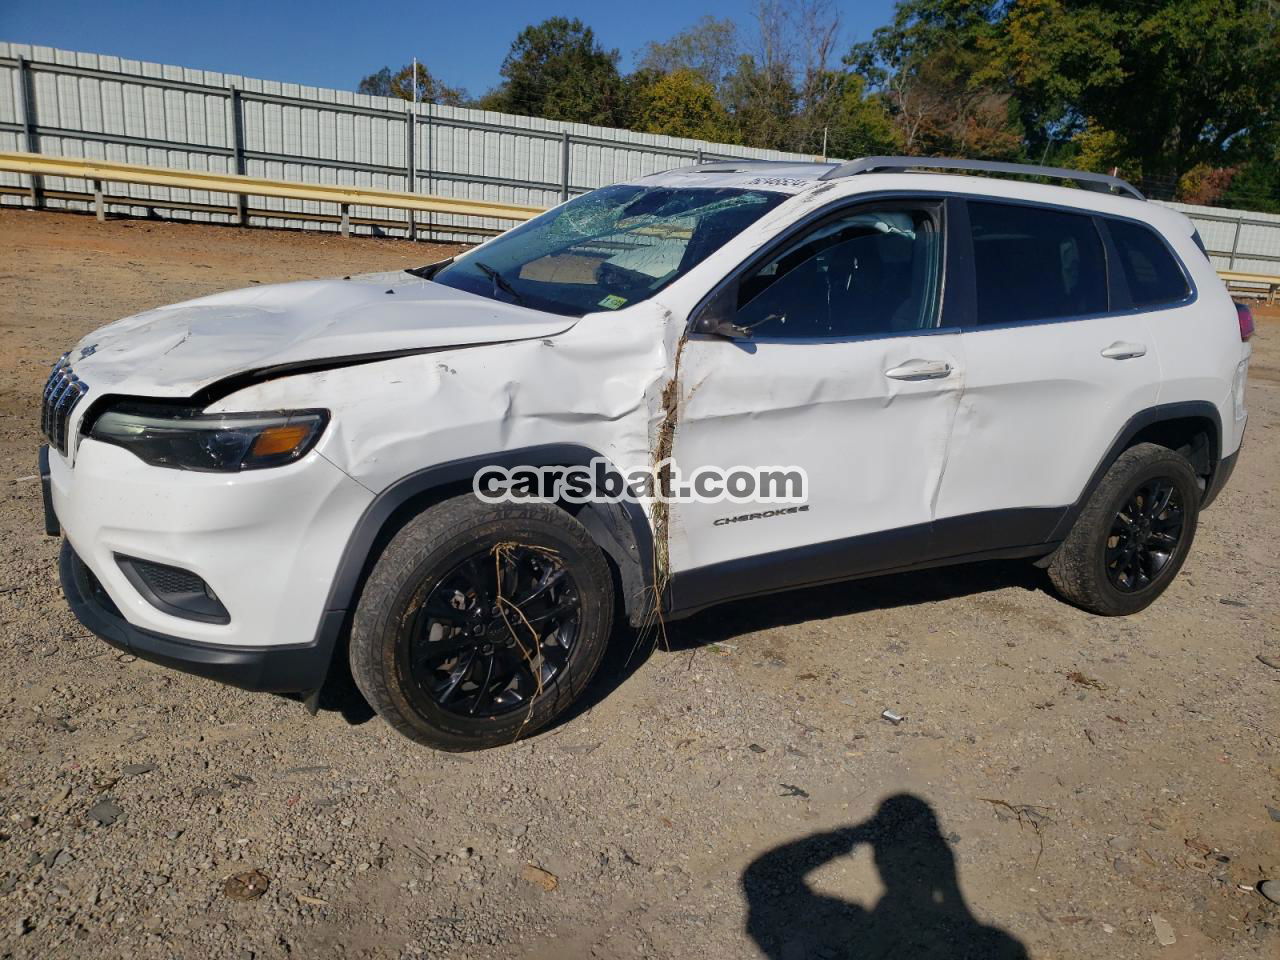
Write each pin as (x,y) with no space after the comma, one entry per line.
(333,44)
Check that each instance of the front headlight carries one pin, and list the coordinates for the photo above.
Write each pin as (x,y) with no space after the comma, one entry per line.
(186,438)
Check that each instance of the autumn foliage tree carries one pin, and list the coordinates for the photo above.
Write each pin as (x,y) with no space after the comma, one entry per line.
(1181,95)
(682,103)
(1173,84)
(709,48)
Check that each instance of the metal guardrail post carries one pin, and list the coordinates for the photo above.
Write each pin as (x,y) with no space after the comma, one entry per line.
(1235,244)
(99,207)
(411,181)
(345,227)
(425,161)
(564,165)
(237,145)
(28,95)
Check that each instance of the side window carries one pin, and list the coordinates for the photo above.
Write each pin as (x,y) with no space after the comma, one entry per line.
(1035,264)
(867,272)
(1150,269)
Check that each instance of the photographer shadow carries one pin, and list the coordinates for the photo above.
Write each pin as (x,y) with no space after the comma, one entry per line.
(922,914)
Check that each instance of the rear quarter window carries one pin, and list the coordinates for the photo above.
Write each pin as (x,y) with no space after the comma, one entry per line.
(1150,269)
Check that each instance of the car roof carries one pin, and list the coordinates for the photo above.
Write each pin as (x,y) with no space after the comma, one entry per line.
(785,176)
(918,174)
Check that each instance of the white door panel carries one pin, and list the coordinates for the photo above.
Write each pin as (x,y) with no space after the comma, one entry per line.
(1042,404)
(1052,372)
(873,446)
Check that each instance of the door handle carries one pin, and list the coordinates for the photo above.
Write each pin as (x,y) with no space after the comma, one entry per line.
(920,370)
(1125,351)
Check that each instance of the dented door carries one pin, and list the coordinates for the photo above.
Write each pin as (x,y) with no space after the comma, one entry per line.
(1056,364)
(872,444)
(839,369)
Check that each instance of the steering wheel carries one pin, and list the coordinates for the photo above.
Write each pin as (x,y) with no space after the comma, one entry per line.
(615,278)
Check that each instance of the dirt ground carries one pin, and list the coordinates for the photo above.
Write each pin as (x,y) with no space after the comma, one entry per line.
(1059,782)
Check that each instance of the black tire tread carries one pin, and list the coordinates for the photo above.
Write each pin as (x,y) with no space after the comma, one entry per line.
(432,531)
(1074,569)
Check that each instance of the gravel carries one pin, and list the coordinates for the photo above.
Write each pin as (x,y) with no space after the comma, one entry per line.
(729,790)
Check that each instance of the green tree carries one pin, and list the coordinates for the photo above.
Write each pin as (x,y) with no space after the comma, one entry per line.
(1049,89)
(1180,82)
(1256,186)
(384,83)
(858,124)
(761,99)
(682,104)
(709,48)
(557,70)
(929,64)
(919,29)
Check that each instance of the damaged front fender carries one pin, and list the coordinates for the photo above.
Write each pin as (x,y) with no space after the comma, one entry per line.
(405,426)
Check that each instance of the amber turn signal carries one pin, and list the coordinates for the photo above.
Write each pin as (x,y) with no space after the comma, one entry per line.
(283,439)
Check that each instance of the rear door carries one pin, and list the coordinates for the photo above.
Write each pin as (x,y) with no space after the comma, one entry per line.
(1055,364)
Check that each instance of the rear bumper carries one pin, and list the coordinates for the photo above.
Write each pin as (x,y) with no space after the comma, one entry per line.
(279,669)
(1221,474)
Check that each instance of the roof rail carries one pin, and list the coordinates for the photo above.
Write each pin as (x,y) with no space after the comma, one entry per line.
(731,165)
(1098,182)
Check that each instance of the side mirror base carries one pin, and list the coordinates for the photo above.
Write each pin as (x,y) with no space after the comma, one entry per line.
(716,318)
(732,331)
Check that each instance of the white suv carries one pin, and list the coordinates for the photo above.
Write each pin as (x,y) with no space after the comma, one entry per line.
(254,484)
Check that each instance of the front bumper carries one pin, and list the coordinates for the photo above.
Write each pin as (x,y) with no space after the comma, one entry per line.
(266,542)
(299,669)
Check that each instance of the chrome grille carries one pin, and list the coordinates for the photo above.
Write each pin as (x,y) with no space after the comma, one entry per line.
(61,393)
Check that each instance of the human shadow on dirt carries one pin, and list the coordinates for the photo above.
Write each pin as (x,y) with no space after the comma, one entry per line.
(922,914)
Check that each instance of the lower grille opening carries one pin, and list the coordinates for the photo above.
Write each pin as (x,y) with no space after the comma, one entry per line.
(90,587)
(173,590)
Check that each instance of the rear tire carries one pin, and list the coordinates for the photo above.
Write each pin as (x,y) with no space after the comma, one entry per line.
(481,623)
(1133,534)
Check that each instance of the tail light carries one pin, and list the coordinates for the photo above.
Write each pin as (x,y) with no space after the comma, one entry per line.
(1245,316)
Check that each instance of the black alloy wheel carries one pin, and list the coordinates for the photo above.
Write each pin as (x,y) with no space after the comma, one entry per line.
(1132,534)
(1145,535)
(494,631)
(481,623)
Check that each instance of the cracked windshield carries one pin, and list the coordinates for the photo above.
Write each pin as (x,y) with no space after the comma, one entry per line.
(608,249)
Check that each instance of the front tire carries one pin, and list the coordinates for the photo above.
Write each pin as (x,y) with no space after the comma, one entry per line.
(1133,534)
(480,624)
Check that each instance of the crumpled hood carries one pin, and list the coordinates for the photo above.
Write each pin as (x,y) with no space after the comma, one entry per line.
(178,350)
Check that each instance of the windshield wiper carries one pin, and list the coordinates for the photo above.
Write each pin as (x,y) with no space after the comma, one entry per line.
(499,281)
(430,270)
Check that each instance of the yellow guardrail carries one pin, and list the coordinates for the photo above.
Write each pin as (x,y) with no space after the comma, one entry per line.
(1257,284)
(100,171)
